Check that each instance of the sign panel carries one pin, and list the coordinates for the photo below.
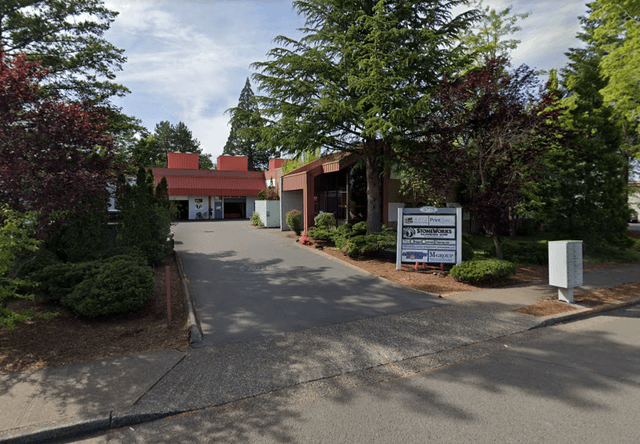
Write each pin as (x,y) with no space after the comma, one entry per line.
(434,237)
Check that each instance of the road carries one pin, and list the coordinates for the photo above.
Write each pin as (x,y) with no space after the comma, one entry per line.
(578,382)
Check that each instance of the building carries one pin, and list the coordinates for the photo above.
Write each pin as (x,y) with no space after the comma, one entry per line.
(226,193)
(334,184)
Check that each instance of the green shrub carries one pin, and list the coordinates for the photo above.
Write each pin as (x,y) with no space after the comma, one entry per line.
(526,253)
(320,233)
(327,220)
(255,220)
(57,281)
(117,285)
(360,228)
(364,245)
(260,195)
(345,230)
(467,250)
(483,271)
(28,263)
(294,221)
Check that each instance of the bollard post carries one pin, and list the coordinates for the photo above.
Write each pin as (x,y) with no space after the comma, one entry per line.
(168,296)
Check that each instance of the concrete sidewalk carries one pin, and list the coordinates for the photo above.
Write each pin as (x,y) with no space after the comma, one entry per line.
(81,399)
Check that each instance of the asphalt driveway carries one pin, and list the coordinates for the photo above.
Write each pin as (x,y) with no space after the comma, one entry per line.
(250,282)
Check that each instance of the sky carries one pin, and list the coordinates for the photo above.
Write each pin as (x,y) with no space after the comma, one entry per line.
(188,60)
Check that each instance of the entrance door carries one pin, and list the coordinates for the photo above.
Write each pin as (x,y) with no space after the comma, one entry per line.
(235,208)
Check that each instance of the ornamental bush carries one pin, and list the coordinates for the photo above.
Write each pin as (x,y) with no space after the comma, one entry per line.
(483,271)
(526,253)
(294,221)
(327,220)
(322,233)
(255,220)
(360,228)
(117,285)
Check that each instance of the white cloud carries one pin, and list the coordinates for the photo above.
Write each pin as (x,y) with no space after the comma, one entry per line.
(188,60)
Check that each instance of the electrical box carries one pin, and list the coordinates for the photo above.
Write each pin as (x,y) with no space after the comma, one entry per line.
(565,267)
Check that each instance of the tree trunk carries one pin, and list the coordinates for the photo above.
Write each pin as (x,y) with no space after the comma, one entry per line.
(373,187)
(498,245)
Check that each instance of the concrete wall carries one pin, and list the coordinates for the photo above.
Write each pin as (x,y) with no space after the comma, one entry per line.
(269,211)
(251,205)
(289,200)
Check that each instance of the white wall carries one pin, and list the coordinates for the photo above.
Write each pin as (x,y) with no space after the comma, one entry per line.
(269,211)
(289,200)
(204,207)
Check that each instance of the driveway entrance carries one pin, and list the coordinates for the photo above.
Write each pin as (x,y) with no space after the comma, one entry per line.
(249,282)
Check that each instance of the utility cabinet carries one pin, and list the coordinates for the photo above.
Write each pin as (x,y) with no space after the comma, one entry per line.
(565,267)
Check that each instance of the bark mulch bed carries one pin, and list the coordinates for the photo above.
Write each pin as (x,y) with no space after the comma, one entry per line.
(433,280)
(602,296)
(66,339)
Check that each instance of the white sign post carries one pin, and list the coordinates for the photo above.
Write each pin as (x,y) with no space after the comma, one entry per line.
(565,267)
(429,235)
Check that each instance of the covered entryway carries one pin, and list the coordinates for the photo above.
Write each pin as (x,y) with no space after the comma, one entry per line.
(235,208)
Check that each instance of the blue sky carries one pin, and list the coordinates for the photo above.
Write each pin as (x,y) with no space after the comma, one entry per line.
(188,60)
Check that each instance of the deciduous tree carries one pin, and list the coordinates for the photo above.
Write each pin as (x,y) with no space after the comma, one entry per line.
(487,140)
(54,156)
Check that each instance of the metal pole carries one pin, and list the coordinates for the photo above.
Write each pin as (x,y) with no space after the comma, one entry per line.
(167,271)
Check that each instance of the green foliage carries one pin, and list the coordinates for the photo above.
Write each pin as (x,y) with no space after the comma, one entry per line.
(80,236)
(467,250)
(584,193)
(321,233)
(145,219)
(367,245)
(358,79)
(255,220)
(115,285)
(58,280)
(483,271)
(525,253)
(245,136)
(152,149)
(67,37)
(294,221)
(16,237)
(601,252)
(300,160)
(485,38)
(360,228)
(327,220)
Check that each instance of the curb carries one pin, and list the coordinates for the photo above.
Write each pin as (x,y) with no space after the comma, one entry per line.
(588,313)
(67,430)
(193,324)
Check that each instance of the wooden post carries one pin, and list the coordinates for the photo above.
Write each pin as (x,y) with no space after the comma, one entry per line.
(168,296)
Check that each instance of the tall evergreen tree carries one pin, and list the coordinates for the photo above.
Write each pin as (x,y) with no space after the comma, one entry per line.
(152,150)
(584,195)
(359,79)
(66,37)
(245,136)
(486,39)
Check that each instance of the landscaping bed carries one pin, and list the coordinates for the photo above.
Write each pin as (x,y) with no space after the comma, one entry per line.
(66,339)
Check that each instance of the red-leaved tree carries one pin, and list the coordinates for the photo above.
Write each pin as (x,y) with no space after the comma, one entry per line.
(487,140)
(54,156)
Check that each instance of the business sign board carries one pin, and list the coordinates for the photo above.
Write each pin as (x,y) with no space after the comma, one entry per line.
(430,235)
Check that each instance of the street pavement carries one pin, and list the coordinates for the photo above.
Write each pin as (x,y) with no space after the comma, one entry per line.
(126,392)
(577,382)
